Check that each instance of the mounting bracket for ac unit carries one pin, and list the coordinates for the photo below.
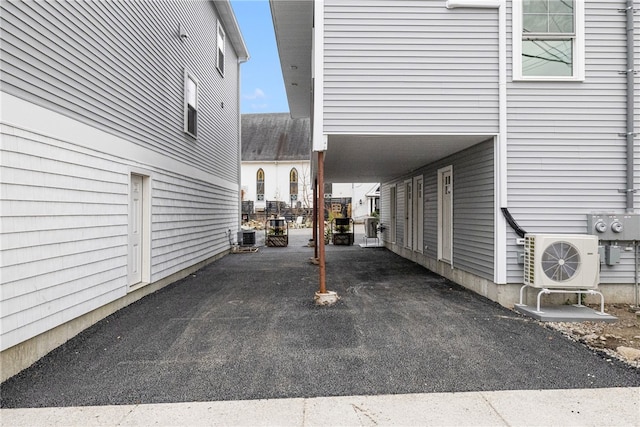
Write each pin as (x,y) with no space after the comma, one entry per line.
(564,291)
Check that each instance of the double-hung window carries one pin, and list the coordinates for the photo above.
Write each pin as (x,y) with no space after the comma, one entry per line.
(220,50)
(190,104)
(548,39)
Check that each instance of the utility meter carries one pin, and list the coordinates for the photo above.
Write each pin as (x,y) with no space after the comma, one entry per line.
(600,226)
(616,226)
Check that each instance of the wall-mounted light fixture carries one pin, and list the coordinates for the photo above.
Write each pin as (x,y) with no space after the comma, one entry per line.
(183,33)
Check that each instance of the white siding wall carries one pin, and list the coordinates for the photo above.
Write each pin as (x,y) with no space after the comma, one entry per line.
(409,66)
(91,93)
(191,222)
(64,231)
(276,181)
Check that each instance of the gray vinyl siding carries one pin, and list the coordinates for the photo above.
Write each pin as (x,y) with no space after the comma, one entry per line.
(409,66)
(385,212)
(119,66)
(401,214)
(473,208)
(566,150)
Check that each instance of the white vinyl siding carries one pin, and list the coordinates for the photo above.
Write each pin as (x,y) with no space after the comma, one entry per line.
(93,92)
(409,66)
(191,220)
(64,234)
(64,229)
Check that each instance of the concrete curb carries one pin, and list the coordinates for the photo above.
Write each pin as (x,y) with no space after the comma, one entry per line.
(574,407)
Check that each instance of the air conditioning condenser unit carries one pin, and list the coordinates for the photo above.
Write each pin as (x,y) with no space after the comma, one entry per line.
(561,261)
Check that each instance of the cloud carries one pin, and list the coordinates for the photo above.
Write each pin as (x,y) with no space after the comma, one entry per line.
(257,94)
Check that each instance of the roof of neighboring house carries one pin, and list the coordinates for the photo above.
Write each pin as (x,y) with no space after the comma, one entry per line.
(275,137)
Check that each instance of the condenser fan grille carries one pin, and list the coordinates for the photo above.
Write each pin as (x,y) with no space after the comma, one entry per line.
(560,261)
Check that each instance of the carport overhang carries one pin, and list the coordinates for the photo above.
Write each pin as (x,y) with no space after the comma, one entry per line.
(293,26)
(369,157)
(353,157)
(380,158)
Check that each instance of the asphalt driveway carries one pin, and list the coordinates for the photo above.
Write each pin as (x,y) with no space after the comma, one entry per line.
(245,327)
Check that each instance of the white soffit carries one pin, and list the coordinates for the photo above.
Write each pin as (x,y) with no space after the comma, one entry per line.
(293,25)
(377,158)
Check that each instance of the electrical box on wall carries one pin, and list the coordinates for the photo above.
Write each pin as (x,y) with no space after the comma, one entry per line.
(611,254)
(607,226)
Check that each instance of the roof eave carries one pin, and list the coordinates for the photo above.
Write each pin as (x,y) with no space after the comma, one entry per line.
(293,26)
(232,29)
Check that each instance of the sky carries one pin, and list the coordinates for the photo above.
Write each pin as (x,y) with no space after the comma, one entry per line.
(262,87)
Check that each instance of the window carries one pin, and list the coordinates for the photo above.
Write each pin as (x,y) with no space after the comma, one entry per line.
(190,104)
(293,185)
(548,40)
(260,185)
(220,57)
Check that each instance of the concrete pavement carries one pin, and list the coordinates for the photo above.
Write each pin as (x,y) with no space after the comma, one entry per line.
(241,343)
(594,407)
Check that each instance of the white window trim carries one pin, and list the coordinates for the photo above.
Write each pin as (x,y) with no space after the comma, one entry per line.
(220,48)
(188,75)
(578,47)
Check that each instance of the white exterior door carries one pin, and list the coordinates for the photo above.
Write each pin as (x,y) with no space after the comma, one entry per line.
(408,214)
(418,214)
(135,230)
(445,214)
(394,214)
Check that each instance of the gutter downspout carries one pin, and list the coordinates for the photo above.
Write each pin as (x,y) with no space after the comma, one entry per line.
(630,106)
(630,134)
(241,60)
(500,147)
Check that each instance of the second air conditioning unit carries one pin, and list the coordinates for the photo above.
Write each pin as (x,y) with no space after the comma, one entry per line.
(563,261)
